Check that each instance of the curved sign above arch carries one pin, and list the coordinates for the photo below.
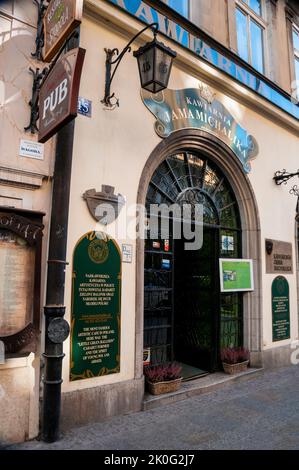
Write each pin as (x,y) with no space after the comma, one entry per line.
(187,108)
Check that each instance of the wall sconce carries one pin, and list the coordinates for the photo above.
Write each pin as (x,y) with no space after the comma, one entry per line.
(154,63)
(283,177)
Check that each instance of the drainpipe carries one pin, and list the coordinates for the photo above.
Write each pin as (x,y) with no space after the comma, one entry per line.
(56,328)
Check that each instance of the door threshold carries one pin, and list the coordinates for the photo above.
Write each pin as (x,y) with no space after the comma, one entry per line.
(206,384)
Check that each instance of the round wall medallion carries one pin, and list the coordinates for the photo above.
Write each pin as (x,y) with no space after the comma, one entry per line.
(58,330)
(98,251)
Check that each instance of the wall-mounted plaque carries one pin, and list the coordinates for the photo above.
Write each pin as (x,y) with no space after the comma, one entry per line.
(278,257)
(280,309)
(58,99)
(61,18)
(20,254)
(96,302)
(17,260)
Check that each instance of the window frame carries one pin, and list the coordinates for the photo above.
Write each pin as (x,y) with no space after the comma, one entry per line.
(189,2)
(295,51)
(260,20)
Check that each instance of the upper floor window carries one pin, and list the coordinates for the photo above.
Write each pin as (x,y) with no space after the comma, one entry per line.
(250,32)
(181,6)
(296,50)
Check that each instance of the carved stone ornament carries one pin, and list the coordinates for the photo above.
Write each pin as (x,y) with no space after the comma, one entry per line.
(104,206)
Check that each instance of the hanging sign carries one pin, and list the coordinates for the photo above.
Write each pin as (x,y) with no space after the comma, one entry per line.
(61,18)
(58,99)
(96,300)
(183,109)
(280,309)
(236,275)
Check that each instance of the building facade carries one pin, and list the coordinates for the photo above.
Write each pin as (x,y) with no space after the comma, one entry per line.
(227,122)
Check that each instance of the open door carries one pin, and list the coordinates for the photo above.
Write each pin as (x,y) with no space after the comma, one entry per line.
(196,304)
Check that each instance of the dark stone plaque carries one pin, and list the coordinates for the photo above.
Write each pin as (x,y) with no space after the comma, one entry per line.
(278,257)
(280,309)
(96,300)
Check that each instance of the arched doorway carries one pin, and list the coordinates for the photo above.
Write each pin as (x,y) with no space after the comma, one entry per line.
(186,318)
(209,148)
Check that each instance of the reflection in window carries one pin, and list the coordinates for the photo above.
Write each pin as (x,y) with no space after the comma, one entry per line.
(297,68)
(255,5)
(296,54)
(250,40)
(181,6)
(256,46)
(242,35)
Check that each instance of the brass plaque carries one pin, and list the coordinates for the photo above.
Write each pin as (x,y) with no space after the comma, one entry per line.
(278,257)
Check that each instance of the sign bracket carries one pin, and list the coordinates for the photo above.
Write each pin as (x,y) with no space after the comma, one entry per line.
(40,39)
(38,80)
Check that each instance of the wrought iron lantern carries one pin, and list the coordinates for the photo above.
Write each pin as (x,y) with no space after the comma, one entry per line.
(154,62)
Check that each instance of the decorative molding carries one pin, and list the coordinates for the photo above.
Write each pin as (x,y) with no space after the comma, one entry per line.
(104,206)
(20,178)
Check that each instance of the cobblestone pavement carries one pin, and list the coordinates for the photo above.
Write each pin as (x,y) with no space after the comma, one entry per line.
(261,413)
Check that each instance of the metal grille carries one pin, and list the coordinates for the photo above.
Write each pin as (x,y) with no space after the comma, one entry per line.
(187,178)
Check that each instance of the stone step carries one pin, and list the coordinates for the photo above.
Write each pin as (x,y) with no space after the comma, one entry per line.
(205,384)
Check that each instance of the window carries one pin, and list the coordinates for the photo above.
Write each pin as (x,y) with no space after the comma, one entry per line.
(181,6)
(250,32)
(296,50)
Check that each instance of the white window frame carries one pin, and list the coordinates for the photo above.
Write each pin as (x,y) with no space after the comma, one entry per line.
(261,22)
(295,54)
(296,51)
(189,8)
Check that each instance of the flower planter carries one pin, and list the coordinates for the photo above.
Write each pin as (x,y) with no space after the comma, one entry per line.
(235,368)
(164,387)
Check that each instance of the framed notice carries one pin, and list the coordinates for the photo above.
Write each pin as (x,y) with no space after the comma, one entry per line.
(236,275)
(280,309)
(20,267)
(96,301)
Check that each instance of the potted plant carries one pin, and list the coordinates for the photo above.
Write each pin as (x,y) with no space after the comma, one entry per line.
(235,359)
(164,378)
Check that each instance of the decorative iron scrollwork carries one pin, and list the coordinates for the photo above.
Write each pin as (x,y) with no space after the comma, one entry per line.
(39,40)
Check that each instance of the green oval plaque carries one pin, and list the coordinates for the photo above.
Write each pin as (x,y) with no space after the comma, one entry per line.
(280,309)
(96,297)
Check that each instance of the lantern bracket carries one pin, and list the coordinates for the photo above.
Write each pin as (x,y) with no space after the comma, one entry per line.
(110,101)
(282,177)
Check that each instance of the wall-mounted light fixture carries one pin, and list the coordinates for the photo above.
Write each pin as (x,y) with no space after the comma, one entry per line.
(154,63)
(282,177)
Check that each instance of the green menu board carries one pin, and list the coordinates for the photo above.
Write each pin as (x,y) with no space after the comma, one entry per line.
(280,309)
(235,275)
(96,300)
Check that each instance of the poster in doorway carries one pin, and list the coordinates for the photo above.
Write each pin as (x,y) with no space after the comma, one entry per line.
(236,275)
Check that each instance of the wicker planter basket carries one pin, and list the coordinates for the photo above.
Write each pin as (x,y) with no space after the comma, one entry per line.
(164,387)
(235,368)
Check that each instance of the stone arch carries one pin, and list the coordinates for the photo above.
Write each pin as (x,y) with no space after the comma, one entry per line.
(210,146)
